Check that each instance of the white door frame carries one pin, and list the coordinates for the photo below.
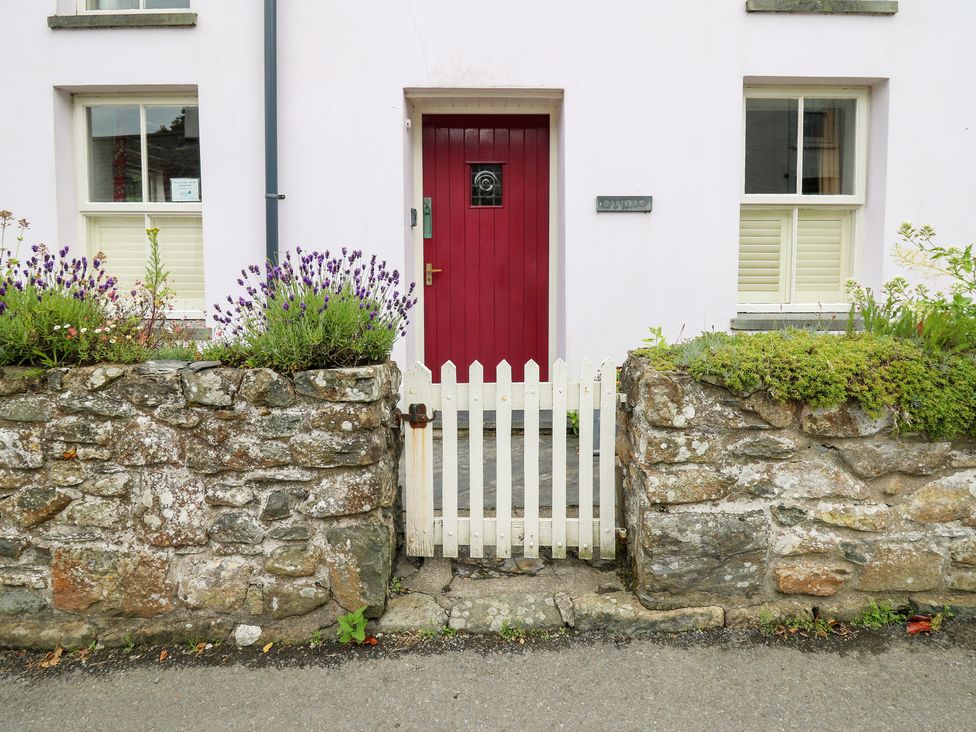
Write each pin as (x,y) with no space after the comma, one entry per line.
(420,102)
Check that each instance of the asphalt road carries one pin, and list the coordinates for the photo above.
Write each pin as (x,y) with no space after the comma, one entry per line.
(723,685)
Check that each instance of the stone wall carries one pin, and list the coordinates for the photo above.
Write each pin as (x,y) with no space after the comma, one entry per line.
(173,501)
(763,507)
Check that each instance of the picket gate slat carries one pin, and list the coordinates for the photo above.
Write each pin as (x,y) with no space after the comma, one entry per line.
(503,455)
(586,388)
(530,545)
(453,527)
(559,416)
(449,425)
(608,431)
(420,468)
(476,453)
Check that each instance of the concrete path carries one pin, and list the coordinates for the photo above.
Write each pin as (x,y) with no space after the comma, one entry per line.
(728,683)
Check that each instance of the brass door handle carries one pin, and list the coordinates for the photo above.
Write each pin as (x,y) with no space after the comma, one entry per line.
(429,274)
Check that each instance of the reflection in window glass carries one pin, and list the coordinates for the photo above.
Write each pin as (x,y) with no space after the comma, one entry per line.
(173,151)
(114,154)
(134,4)
(113,4)
(771,145)
(165,4)
(828,146)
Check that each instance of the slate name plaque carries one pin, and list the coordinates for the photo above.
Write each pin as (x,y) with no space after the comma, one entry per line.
(624,204)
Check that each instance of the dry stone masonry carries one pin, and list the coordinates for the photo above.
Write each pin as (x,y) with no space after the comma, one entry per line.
(176,500)
(761,507)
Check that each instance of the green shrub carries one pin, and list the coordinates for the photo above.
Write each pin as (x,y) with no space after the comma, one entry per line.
(317,311)
(940,320)
(928,391)
(56,311)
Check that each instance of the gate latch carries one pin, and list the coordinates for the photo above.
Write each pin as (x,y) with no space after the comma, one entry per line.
(416,416)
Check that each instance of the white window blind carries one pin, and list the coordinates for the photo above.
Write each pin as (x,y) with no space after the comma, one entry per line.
(764,243)
(794,255)
(122,239)
(822,247)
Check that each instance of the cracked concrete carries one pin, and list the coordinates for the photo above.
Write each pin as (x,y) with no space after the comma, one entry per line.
(565,592)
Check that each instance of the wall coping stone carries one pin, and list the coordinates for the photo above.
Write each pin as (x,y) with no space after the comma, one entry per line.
(824,7)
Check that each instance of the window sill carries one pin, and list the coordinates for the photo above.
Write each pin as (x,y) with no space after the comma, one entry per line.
(832,321)
(122,20)
(824,7)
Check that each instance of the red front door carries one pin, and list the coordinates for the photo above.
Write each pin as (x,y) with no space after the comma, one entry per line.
(486,297)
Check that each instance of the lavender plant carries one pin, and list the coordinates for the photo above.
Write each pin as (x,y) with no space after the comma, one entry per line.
(316,311)
(56,310)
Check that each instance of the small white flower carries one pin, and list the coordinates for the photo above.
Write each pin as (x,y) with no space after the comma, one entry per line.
(112,341)
(57,327)
(84,330)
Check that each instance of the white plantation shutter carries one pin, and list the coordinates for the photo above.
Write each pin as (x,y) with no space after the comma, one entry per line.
(764,251)
(181,246)
(823,241)
(123,241)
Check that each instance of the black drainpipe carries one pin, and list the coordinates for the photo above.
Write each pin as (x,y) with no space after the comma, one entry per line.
(271,194)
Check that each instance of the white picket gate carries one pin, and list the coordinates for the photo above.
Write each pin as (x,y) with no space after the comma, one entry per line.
(470,526)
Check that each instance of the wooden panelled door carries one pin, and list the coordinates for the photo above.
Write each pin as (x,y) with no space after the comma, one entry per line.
(486,241)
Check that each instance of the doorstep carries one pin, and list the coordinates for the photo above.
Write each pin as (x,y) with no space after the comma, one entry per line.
(526,597)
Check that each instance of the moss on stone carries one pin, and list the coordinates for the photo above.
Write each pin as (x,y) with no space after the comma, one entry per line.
(928,392)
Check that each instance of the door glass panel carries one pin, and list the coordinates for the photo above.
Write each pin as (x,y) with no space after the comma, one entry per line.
(114,154)
(113,5)
(771,145)
(486,184)
(173,149)
(828,146)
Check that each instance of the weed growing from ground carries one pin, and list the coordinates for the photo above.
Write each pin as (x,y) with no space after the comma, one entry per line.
(352,627)
(879,616)
(512,632)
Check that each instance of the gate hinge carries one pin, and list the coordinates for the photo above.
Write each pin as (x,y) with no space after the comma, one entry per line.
(416,416)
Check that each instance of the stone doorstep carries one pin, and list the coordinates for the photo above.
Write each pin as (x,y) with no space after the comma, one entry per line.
(615,613)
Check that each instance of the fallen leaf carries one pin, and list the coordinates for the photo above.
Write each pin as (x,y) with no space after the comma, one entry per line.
(70,454)
(201,647)
(164,655)
(370,640)
(52,659)
(82,654)
(919,624)
(268,647)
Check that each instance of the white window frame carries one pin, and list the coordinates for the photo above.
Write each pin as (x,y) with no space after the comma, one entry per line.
(785,201)
(82,6)
(152,210)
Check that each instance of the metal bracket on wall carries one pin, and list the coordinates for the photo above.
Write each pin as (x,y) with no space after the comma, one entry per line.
(428,218)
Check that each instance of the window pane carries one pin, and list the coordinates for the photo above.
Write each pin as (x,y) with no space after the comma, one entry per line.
(771,145)
(828,146)
(161,4)
(764,245)
(173,148)
(822,242)
(114,154)
(113,4)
